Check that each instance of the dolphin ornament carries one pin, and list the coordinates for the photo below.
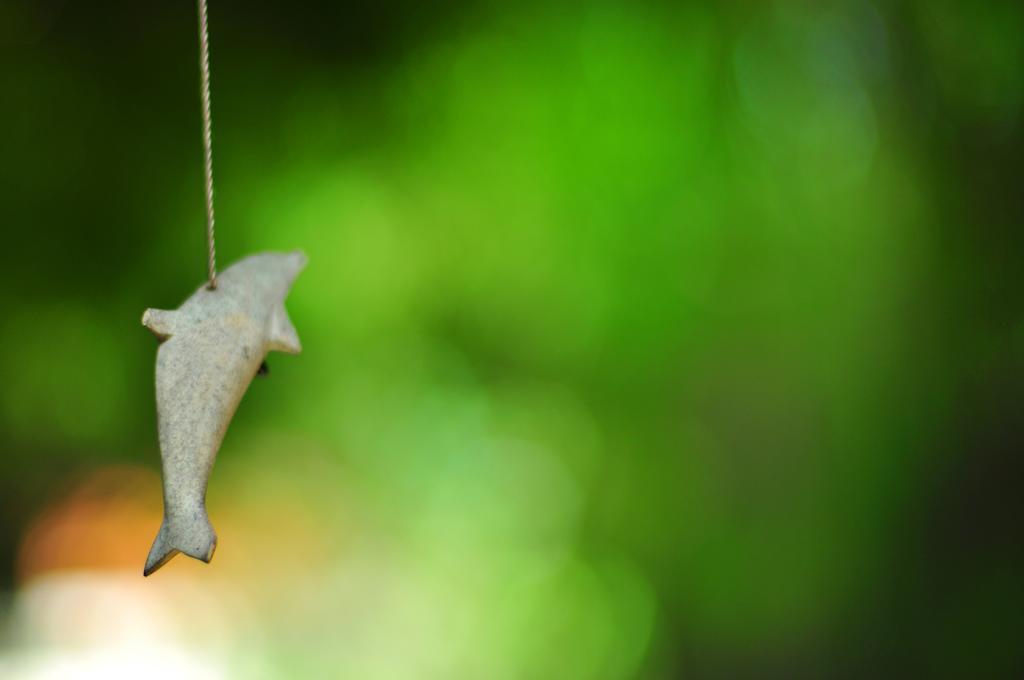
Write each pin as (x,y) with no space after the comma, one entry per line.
(210,349)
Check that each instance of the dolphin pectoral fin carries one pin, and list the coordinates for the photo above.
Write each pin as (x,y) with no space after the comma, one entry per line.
(196,539)
(160,322)
(283,337)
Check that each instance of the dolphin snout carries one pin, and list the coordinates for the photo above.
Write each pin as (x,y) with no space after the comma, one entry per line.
(298,260)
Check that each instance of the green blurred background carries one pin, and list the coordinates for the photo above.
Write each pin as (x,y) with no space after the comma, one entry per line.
(641,340)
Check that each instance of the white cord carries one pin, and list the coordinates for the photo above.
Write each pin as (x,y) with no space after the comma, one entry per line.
(204,90)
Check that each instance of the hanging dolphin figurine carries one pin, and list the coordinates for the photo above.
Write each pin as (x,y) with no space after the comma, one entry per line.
(210,349)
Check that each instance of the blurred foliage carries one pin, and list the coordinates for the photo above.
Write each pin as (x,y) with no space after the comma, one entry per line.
(640,339)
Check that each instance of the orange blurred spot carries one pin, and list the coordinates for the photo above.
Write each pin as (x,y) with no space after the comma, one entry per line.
(106,522)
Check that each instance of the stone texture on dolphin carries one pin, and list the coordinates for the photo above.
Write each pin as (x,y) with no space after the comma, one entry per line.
(210,349)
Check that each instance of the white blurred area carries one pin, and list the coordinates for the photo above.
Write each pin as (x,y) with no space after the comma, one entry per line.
(106,625)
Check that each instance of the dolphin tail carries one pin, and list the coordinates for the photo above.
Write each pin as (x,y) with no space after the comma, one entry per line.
(191,535)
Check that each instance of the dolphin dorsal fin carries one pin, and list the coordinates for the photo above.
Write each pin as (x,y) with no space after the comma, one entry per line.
(283,337)
(160,322)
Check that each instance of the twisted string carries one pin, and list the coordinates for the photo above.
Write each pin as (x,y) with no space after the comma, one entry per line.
(204,91)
